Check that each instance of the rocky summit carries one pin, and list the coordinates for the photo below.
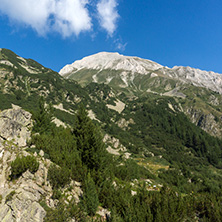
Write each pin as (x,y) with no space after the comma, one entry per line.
(115,61)
(137,72)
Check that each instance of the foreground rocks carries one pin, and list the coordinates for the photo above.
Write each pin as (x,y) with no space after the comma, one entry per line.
(15,125)
(21,198)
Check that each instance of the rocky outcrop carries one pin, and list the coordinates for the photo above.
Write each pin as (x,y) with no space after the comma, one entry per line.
(115,147)
(20,198)
(14,125)
(124,124)
(206,121)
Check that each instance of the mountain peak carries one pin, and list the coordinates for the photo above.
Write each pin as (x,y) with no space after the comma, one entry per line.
(134,71)
(113,61)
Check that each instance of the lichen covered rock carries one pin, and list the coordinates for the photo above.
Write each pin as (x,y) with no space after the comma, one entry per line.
(15,124)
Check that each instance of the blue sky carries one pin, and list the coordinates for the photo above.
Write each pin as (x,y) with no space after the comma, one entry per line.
(170,32)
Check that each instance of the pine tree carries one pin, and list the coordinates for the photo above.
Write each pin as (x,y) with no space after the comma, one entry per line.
(90,198)
(43,118)
(89,141)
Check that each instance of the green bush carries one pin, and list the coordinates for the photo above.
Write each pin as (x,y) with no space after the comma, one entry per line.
(56,194)
(21,164)
(58,177)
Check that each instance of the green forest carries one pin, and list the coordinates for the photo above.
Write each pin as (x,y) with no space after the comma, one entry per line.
(78,153)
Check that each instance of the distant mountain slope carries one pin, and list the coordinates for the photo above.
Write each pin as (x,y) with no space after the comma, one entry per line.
(120,115)
(140,74)
(199,91)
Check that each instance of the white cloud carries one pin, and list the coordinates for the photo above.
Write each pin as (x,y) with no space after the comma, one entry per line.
(67,17)
(71,16)
(108,15)
(29,12)
(119,45)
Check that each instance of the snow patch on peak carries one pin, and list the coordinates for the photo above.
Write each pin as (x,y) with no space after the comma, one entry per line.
(114,61)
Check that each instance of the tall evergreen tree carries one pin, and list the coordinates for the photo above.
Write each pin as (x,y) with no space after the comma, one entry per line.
(43,117)
(90,198)
(89,142)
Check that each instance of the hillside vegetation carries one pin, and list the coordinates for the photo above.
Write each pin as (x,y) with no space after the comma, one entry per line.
(188,193)
(141,156)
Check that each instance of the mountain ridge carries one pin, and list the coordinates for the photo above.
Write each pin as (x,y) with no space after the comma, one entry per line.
(131,68)
(107,60)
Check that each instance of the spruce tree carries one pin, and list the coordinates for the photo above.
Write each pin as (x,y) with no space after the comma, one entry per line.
(43,117)
(90,198)
(89,141)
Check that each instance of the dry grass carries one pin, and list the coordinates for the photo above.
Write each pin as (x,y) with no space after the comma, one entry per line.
(152,166)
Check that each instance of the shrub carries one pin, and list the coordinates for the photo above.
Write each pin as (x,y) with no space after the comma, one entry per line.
(56,194)
(21,164)
(58,177)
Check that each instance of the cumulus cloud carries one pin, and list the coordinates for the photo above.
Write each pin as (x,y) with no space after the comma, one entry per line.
(71,16)
(108,15)
(67,17)
(29,12)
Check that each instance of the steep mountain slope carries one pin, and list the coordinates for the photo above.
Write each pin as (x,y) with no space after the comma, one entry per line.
(22,87)
(21,196)
(112,109)
(151,140)
(199,92)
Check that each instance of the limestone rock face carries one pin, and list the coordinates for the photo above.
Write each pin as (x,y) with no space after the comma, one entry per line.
(22,208)
(205,121)
(115,147)
(20,198)
(14,125)
(115,61)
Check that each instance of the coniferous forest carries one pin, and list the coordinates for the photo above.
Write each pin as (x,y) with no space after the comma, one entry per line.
(79,154)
